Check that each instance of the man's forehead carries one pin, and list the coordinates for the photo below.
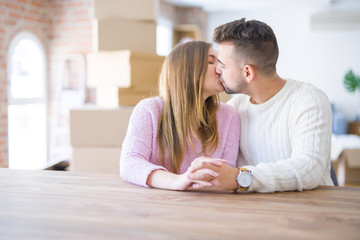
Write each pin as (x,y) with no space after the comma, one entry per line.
(225,48)
(225,53)
(222,57)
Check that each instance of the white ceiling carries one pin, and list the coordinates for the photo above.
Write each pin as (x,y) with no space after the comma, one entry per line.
(236,5)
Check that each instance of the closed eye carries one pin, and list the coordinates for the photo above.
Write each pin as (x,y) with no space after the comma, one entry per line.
(212,59)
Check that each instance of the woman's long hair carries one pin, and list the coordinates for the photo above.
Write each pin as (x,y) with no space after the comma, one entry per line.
(186,115)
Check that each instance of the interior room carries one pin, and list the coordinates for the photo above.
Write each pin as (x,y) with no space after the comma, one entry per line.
(71,74)
(78,45)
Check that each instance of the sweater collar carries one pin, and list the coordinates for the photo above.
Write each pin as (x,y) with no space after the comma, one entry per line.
(272,100)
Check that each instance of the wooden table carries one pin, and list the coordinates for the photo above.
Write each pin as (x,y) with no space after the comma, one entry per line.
(62,205)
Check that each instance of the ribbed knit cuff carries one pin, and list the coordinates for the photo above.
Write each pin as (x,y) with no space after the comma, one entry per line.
(263,179)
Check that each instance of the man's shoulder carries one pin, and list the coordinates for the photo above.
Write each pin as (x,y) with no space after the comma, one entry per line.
(304,90)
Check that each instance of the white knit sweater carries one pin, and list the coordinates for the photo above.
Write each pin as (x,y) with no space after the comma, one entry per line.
(286,141)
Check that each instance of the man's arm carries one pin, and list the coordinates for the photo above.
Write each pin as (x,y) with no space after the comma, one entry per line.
(308,166)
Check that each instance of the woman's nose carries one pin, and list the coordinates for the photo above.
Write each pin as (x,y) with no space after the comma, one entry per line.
(218,69)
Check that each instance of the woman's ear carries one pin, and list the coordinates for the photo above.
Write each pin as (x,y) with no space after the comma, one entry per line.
(248,73)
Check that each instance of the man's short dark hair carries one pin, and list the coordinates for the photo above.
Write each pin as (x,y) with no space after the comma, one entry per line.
(254,41)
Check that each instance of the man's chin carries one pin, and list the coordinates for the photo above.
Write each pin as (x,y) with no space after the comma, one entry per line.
(228,91)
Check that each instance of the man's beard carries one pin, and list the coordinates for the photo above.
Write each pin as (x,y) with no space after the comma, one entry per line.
(239,88)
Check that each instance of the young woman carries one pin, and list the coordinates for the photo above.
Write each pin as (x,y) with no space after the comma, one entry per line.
(187,121)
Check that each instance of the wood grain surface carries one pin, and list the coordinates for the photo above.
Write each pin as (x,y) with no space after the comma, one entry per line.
(62,205)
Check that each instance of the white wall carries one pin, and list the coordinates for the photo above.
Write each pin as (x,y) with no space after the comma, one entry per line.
(320,57)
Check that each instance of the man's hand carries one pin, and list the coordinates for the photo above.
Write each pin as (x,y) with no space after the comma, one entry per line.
(202,170)
(182,182)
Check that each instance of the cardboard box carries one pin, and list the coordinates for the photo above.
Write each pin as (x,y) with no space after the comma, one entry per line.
(123,69)
(354,128)
(96,159)
(97,127)
(129,9)
(112,97)
(132,96)
(348,167)
(121,34)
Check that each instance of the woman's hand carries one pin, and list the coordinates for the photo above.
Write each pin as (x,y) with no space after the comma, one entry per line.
(181,182)
(203,169)
(168,180)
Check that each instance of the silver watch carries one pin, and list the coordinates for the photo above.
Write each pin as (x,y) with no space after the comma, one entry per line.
(244,178)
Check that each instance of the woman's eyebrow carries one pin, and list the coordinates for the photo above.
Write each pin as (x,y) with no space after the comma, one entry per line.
(212,56)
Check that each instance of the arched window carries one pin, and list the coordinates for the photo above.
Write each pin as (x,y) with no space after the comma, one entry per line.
(27,108)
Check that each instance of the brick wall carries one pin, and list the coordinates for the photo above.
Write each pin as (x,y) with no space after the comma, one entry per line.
(63,26)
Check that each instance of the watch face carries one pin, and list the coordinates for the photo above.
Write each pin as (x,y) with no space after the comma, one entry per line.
(245,179)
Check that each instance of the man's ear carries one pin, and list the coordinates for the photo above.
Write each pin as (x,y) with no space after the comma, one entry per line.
(248,73)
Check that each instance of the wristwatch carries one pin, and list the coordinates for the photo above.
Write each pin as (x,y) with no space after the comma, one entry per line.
(244,179)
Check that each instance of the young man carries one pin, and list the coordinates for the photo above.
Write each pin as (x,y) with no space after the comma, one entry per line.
(285,124)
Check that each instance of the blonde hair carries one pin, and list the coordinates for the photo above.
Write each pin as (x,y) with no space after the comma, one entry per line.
(186,115)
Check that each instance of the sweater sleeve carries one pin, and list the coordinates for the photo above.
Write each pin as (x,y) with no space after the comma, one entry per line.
(135,165)
(311,142)
(232,134)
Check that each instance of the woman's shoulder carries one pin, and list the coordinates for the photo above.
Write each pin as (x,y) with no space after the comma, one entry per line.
(226,108)
(147,110)
(227,112)
(151,101)
(152,104)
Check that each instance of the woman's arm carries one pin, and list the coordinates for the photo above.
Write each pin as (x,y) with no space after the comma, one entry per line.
(168,180)
(137,148)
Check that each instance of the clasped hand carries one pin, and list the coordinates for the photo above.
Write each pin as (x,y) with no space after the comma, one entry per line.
(212,173)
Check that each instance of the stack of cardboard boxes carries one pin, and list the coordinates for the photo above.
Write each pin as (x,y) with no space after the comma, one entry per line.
(124,68)
(123,78)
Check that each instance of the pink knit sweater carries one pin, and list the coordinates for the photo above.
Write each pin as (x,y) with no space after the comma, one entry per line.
(140,151)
